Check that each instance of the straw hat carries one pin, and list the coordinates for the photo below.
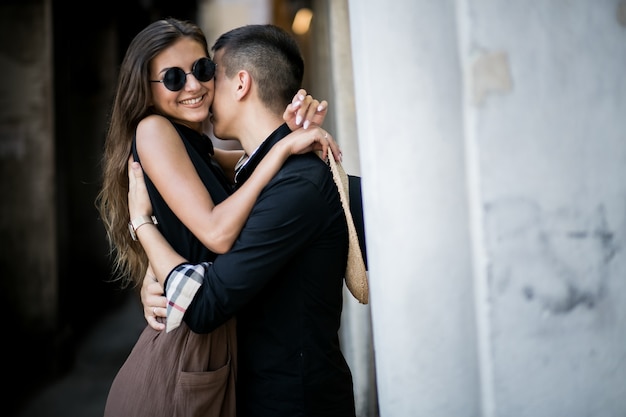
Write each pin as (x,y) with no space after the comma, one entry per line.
(356,273)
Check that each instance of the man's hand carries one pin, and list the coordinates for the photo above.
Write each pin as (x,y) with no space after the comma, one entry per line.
(153,300)
(305,111)
(138,199)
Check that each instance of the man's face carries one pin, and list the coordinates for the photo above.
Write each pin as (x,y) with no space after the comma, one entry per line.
(223,111)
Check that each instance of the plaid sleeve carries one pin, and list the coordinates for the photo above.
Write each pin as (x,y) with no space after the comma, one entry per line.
(181,286)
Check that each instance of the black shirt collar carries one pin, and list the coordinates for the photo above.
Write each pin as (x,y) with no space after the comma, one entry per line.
(246,169)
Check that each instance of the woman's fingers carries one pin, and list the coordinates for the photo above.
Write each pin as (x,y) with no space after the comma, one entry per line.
(305,111)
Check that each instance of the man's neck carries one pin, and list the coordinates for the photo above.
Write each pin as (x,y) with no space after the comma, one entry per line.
(256,127)
(248,163)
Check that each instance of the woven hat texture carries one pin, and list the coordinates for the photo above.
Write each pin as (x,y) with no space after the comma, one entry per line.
(356,273)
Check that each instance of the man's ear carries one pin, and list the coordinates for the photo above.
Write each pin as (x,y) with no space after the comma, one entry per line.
(244,84)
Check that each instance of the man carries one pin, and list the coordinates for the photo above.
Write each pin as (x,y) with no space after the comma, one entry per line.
(283,277)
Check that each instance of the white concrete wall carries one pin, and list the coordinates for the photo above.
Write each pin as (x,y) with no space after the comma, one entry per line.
(545,105)
(493,155)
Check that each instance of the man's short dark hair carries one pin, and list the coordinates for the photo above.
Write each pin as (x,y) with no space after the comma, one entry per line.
(271,55)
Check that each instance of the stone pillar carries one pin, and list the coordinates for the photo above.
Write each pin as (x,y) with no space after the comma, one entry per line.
(333,79)
(408,95)
(491,141)
(28,206)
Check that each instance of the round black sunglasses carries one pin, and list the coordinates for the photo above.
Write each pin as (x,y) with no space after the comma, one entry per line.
(175,78)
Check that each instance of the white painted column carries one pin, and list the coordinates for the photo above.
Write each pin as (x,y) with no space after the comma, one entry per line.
(493,151)
(356,329)
(408,96)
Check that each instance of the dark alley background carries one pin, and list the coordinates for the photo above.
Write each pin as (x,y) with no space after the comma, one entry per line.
(68,327)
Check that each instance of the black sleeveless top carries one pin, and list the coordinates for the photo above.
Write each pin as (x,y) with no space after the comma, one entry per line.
(200,150)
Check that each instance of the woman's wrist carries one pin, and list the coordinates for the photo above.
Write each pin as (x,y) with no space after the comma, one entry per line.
(139,221)
(144,229)
(283,149)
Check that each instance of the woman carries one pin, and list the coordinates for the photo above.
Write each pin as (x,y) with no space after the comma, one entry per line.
(164,94)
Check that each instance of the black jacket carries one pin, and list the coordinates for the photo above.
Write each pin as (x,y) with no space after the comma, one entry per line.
(283,279)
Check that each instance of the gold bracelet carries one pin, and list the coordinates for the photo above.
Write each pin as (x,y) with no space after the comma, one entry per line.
(137,222)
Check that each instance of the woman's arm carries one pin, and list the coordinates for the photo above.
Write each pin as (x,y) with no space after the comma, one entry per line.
(165,160)
(302,112)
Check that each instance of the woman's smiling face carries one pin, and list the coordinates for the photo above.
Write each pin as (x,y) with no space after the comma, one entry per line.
(190,105)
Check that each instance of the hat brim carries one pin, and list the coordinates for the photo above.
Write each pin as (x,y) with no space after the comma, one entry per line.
(356,272)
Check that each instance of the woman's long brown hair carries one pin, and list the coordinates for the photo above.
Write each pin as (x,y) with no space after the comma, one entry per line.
(131,104)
